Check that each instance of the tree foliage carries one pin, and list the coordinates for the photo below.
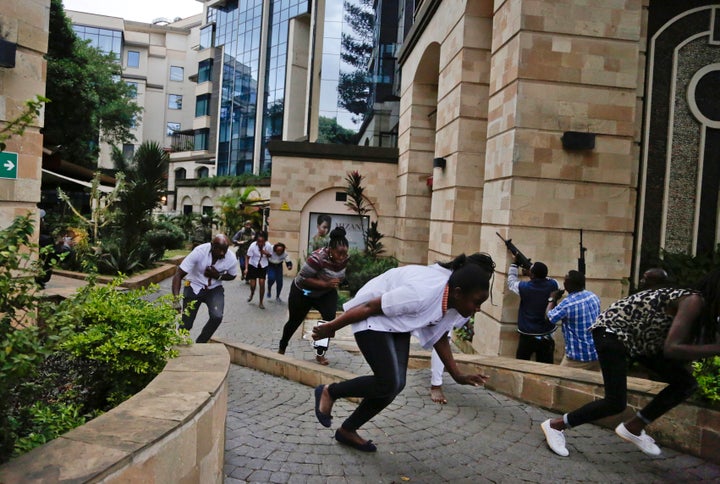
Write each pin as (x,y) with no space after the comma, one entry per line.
(89,101)
(330,131)
(356,48)
(132,213)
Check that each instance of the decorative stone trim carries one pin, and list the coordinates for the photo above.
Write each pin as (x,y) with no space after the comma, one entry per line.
(172,431)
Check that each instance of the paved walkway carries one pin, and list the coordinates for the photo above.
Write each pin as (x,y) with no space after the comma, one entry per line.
(479,436)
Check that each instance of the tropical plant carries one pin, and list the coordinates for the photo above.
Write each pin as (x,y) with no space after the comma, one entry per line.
(356,200)
(374,246)
(240,205)
(101,204)
(124,243)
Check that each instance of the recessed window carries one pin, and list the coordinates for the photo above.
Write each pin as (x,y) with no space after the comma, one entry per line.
(205,71)
(133,58)
(177,73)
(172,128)
(180,174)
(187,209)
(128,151)
(201,139)
(174,101)
(207,35)
(133,87)
(202,105)
(203,172)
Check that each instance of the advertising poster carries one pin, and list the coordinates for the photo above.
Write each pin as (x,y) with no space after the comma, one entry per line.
(320,225)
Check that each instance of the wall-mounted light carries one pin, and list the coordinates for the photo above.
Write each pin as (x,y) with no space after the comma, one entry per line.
(578,140)
(439,163)
(7,53)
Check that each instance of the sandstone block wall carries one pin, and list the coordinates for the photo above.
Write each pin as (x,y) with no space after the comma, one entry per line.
(172,431)
(25,23)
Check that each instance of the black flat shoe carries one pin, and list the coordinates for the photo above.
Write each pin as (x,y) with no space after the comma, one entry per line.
(325,420)
(368,446)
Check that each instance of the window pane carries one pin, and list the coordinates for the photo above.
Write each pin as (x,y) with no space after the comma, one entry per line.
(133,58)
(172,128)
(177,73)
(174,101)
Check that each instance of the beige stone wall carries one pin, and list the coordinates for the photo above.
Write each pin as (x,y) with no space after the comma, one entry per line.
(24,22)
(293,197)
(508,79)
(556,67)
(172,431)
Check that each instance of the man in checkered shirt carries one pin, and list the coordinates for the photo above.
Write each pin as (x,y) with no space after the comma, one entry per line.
(576,312)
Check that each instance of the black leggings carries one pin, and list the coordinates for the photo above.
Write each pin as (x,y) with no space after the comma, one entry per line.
(387,354)
(614,365)
(299,305)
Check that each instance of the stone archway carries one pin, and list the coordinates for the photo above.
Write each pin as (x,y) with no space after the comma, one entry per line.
(680,175)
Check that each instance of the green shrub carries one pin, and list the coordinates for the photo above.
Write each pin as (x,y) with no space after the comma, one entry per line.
(707,373)
(43,422)
(361,268)
(165,235)
(126,338)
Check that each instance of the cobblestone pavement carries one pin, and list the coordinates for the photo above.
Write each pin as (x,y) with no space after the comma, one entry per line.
(479,436)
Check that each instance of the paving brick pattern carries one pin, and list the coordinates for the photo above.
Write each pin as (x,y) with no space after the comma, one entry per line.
(480,436)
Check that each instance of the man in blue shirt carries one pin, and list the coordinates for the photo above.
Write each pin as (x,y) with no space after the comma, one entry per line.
(577,312)
(535,330)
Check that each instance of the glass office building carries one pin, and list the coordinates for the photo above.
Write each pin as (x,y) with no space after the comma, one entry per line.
(251,37)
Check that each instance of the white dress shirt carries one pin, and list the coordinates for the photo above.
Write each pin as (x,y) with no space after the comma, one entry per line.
(411,302)
(200,259)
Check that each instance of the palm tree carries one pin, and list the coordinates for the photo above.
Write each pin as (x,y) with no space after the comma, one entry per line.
(240,205)
(144,187)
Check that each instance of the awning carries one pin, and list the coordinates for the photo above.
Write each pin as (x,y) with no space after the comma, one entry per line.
(52,174)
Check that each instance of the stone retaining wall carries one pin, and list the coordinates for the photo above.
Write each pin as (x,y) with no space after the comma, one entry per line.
(172,431)
(690,428)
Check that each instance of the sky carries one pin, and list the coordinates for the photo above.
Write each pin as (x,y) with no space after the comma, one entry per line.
(138,10)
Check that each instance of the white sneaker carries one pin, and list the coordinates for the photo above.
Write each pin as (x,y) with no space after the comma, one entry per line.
(643,441)
(555,439)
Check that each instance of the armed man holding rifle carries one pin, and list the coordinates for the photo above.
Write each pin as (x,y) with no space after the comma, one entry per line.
(535,330)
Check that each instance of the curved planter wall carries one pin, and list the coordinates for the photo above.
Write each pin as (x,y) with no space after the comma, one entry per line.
(172,431)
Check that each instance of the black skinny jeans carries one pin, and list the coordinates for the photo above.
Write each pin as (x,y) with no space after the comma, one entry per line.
(614,365)
(387,354)
(299,305)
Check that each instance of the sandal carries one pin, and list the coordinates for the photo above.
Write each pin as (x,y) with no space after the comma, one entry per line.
(322,360)
(261,306)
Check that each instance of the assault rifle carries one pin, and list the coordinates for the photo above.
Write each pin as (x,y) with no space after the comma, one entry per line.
(581,259)
(520,258)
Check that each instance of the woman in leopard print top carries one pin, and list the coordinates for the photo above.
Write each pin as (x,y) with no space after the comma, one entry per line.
(662,329)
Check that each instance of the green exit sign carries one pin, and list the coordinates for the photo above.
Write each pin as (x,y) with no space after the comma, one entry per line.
(8,164)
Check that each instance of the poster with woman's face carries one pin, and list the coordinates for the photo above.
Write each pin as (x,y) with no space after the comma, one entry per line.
(322,223)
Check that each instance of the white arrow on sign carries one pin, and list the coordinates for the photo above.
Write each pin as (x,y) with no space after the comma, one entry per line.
(9,165)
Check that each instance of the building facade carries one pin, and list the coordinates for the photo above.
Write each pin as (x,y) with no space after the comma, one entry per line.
(160,61)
